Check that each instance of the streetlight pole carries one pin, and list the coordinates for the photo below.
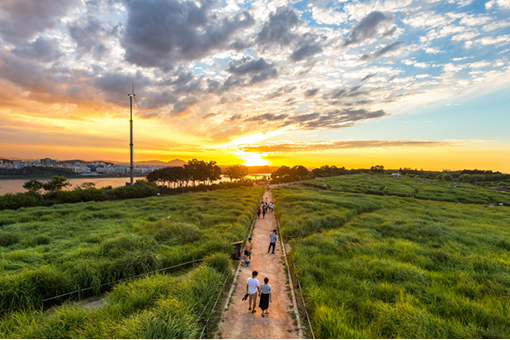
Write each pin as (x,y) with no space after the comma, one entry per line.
(131,129)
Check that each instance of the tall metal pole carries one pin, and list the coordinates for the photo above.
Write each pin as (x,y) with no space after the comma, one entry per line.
(131,131)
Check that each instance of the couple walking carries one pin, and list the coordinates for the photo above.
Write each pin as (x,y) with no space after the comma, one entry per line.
(253,288)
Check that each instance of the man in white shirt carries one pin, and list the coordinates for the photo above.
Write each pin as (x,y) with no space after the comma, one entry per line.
(252,289)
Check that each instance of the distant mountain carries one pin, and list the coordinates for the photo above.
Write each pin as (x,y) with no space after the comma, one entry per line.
(174,162)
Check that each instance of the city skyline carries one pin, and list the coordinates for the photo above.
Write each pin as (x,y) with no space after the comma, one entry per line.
(415,84)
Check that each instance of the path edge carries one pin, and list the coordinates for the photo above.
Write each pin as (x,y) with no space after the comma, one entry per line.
(232,287)
(294,301)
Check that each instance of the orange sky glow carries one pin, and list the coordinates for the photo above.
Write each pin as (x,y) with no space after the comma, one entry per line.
(262,82)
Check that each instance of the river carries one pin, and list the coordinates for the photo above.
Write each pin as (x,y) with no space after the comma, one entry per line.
(12,186)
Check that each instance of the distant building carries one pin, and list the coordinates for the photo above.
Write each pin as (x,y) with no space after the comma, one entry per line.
(396,174)
(80,169)
(447,170)
(48,162)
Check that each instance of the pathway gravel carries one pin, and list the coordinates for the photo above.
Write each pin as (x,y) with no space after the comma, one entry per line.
(238,322)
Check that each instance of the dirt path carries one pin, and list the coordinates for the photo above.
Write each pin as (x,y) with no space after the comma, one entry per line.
(238,322)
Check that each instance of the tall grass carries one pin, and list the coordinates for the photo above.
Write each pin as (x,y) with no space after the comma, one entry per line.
(411,269)
(159,306)
(385,185)
(45,251)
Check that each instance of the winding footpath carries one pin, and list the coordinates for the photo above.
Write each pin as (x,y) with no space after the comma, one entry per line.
(237,322)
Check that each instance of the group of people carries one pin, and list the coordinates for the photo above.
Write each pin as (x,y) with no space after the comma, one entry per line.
(253,287)
(264,207)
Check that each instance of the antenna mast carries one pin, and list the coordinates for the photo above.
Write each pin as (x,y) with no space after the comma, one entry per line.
(131,95)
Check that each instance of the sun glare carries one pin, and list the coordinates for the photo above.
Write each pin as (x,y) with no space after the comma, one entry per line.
(254,159)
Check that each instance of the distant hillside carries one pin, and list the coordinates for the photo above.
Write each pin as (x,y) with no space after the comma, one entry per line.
(72,161)
(175,162)
(36,172)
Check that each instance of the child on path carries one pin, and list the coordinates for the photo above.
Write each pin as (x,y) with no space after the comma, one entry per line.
(265,297)
(252,288)
(272,240)
(249,247)
(246,260)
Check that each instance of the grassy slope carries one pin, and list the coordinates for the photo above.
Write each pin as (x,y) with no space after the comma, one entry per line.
(411,187)
(409,269)
(48,251)
(159,306)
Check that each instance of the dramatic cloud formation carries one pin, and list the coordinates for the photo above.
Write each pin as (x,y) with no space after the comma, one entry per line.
(162,32)
(368,27)
(209,75)
(347,145)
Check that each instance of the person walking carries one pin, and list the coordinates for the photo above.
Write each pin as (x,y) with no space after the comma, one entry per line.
(252,288)
(272,240)
(258,212)
(263,211)
(266,200)
(265,297)
(249,247)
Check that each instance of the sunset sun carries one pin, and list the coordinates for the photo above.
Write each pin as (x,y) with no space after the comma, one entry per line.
(254,159)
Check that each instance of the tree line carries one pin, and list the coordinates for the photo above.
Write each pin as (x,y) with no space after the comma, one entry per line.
(195,172)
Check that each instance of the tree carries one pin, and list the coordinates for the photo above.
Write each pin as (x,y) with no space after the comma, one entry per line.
(33,185)
(56,183)
(464,178)
(88,185)
(300,172)
(237,171)
(445,177)
(212,171)
(377,168)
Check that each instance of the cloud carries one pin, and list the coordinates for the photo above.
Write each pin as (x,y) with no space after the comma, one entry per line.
(383,51)
(504,4)
(248,65)
(277,31)
(182,107)
(267,117)
(307,49)
(90,37)
(280,92)
(45,50)
(370,75)
(160,33)
(247,71)
(368,27)
(340,118)
(22,19)
(269,147)
(311,92)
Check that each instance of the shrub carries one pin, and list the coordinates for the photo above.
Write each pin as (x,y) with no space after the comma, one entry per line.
(7,238)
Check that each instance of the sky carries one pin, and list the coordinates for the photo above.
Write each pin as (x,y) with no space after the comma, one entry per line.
(409,83)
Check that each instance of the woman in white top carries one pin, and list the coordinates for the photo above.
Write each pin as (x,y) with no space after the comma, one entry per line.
(265,296)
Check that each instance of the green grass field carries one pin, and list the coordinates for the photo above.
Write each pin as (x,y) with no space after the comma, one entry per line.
(159,306)
(385,185)
(47,251)
(392,267)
